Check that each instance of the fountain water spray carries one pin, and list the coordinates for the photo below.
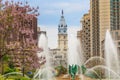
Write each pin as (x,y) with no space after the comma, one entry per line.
(107,69)
(45,72)
(111,55)
(75,57)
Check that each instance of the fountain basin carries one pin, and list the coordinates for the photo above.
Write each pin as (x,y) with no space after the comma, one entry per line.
(76,78)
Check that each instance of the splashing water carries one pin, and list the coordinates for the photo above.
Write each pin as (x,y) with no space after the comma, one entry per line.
(14,73)
(94,58)
(46,71)
(75,55)
(111,55)
(107,69)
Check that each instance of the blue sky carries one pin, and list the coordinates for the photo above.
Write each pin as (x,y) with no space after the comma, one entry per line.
(50,12)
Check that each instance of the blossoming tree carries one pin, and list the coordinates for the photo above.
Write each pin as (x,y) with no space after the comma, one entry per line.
(17,35)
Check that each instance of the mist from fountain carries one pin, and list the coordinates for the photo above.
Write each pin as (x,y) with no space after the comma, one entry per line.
(92,70)
(14,73)
(117,76)
(45,72)
(111,55)
(75,55)
(94,58)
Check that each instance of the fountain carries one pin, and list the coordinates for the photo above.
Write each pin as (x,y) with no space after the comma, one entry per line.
(15,73)
(117,76)
(94,58)
(75,57)
(45,72)
(76,63)
(111,55)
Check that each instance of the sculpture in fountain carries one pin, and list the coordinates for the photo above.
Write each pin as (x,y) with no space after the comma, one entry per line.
(73,69)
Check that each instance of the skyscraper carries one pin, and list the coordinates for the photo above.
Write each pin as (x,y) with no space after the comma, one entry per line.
(104,22)
(105,14)
(85,37)
(95,28)
(115,22)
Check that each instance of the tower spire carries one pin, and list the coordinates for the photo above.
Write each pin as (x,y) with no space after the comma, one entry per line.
(62,12)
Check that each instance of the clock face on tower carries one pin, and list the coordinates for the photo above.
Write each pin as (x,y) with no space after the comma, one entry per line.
(62,30)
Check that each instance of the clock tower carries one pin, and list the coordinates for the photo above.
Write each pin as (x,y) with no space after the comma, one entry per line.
(60,53)
(62,34)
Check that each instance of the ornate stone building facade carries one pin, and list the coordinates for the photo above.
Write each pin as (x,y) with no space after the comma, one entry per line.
(60,53)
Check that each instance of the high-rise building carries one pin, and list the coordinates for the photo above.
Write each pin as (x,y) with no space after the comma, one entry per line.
(78,35)
(85,41)
(104,14)
(115,22)
(94,28)
(104,22)
(99,22)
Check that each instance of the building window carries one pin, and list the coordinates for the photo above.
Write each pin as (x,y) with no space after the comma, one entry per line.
(59,31)
(61,25)
(64,37)
(116,35)
(118,43)
(64,43)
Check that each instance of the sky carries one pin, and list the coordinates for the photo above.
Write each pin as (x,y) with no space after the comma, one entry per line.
(50,13)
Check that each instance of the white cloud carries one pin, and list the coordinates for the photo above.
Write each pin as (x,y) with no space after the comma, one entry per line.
(52,33)
(69,7)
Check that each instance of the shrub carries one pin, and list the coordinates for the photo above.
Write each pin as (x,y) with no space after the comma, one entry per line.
(1,77)
(60,70)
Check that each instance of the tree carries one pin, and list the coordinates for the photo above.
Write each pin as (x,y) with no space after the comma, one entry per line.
(16,35)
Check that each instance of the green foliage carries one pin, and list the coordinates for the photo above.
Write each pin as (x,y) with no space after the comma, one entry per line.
(11,65)
(5,58)
(73,70)
(1,77)
(17,78)
(60,70)
(9,68)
